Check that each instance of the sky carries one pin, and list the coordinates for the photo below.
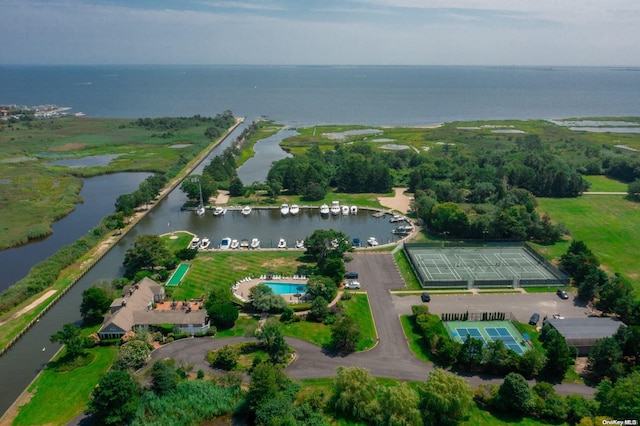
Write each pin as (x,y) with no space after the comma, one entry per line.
(321,32)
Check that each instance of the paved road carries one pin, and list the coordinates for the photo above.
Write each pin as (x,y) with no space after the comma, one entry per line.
(391,357)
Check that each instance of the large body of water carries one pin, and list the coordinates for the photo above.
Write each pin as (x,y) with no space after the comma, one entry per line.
(296,96)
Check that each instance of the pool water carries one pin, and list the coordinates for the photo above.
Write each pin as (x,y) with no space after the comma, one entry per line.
(287,288)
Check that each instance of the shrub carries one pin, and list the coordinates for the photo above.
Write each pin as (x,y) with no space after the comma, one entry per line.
(226,358)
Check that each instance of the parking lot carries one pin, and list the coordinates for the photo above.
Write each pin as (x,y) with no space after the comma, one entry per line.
(520,305)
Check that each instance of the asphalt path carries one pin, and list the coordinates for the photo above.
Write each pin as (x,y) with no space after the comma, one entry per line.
(390,357)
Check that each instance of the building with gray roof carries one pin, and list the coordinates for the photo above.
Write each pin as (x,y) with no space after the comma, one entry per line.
(583,333)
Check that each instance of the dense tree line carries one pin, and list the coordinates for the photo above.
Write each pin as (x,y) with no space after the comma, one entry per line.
(170,125)
(147,192)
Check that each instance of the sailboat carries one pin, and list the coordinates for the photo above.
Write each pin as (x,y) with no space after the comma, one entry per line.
(200,210)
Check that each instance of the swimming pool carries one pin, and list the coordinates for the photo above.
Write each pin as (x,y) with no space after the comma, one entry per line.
(287,288)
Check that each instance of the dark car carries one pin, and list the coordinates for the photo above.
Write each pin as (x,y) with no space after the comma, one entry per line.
(562,294)
(351,275)
(534,319)
(426,297)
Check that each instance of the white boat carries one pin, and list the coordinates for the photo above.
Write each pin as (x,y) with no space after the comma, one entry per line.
(372,241)
(219,211)
(299,244)
(244,244)
(195,243)
(294,209)
(335,208)
(200,210)
(255,243)
(234,244)
(282,243)
(324,209)
(205,243)
(396,218)
(225,243)
(345,210)
(284,209)
(354,209)
(246,210)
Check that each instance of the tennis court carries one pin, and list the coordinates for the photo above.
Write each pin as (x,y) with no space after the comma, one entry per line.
(178,275)
(477,266)
(488,331)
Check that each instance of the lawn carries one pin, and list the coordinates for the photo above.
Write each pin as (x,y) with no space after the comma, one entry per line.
(60,396)
(608,224)
(406,271)
(604,184)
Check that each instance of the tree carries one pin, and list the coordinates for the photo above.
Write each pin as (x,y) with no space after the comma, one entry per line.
(266,381)
(148,252)
(448,217)
(236,188)
(163,377)
(445,398)
(579,261)
(605,359)
(71,338)
(354,393)
(115,399)
(323,243)
(132,355)
(226,357)
(95,303)
(319,310)
(559,356)
(616,296)
(191,187)
(264,299)
(514,394)
(400,404)
(498,359)
(470,354)
(548,404)
(345,334)
(633,189)
(271,337)
(321,286)
(622,400)
(222,315)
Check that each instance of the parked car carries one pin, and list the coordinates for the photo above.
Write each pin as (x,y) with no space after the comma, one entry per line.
(534,319)
(352,285)
(351,275)
(426,297)
(562,294)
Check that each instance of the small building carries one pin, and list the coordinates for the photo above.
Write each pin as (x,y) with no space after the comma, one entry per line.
(134,310)
(583,333)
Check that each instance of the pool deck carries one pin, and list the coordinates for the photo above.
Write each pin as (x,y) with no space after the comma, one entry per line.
(241,288)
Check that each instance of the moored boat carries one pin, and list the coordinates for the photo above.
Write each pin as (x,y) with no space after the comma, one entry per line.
(219,211)
(299,244)
(204,243)
(294,209)
(354,209)
(335,208)
(282,243)
(345,210)
(284,209)
(255,243)
(397,218)
(246,210)
(225,243)
(324,209)
(234,244)
(244,243)
(372,241)
(200,210)
(195,243)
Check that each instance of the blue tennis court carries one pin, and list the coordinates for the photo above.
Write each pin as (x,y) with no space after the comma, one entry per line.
(471,332)
(488,331)
(501,333)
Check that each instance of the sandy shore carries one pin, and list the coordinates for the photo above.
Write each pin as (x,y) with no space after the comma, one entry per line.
(399,202)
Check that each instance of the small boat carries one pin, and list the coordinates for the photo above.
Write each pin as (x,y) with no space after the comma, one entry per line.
(204,244)
(284,209)
(335,208)
(324,209)
(396,218)
(225,243)
(354,209)
(299,244)
(400,230)
(294,209)
(345,210)
(219,211)
(282,243)
(234,244)
(195,243)
(200,210)
(244,243)
(246,210)
(372,241)
(356,242)
(255,243)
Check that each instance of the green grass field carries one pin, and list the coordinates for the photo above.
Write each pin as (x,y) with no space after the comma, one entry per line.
(60,396)
(605,184)
(608,224)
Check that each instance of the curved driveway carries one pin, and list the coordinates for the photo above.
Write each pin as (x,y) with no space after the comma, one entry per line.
(391,357)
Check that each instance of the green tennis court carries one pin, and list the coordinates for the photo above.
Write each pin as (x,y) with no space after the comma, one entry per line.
(178,275)
(488,331)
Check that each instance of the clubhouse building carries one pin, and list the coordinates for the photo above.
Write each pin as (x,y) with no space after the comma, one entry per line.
(135,310)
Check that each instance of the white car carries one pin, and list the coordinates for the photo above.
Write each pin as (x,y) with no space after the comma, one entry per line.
(352,285)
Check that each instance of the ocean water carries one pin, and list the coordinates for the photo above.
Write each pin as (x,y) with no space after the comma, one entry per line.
(300,96)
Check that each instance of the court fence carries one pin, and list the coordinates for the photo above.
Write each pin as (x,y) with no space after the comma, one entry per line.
(560,277)
(477,316)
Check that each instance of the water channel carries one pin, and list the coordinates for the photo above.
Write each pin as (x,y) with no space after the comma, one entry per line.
(25,359)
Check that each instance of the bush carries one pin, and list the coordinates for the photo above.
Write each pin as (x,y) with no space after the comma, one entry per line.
(226,358)
(288,316)
(223,315)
